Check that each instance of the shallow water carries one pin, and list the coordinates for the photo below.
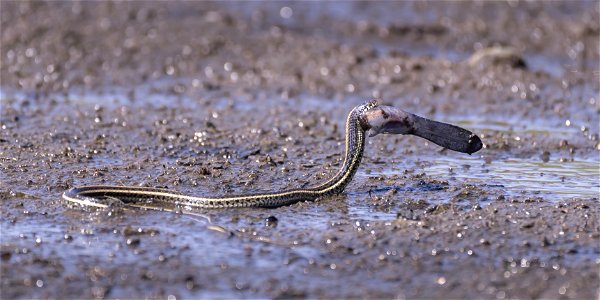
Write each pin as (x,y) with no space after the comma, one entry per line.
(555,180)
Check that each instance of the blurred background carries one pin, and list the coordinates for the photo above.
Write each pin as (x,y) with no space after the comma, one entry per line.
(310,48)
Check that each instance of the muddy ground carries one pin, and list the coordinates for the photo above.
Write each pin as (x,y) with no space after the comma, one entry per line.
(221,98)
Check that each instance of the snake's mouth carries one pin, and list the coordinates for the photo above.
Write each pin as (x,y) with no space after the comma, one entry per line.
(390,120)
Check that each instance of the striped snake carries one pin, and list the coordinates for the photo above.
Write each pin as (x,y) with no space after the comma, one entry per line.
(368,116)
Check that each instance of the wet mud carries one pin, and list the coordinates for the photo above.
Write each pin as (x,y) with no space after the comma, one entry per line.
(229,98)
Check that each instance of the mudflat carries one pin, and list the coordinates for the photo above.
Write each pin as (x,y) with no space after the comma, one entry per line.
(230,98)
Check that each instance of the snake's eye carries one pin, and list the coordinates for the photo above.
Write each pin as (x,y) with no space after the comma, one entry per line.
(373,103)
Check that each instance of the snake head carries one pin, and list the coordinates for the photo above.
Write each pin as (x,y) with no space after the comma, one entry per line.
(382,119)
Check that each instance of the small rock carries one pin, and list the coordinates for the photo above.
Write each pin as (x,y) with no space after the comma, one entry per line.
(545,156)
(497,55)
(271,221)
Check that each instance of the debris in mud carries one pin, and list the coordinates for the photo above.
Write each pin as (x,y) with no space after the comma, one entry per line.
(497,55)
(130,231)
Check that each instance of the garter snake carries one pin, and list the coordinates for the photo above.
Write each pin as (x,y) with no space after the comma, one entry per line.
(367,116)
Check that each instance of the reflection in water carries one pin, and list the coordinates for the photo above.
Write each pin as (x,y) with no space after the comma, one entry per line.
(560,180)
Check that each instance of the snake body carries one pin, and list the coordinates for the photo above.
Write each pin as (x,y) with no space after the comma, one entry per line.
(356,126)
(368,116)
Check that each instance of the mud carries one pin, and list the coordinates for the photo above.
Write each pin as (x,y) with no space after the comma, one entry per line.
(220,98)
